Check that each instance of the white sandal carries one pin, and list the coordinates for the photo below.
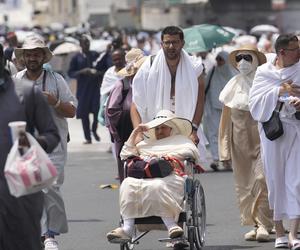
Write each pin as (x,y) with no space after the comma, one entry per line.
(282,242)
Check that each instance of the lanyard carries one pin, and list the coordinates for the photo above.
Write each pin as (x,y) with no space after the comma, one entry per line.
(44,81)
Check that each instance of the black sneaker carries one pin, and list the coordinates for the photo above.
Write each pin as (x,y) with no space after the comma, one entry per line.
(214,166)
(96,136)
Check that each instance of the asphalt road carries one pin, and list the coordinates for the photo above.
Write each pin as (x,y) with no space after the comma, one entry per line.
(93,211)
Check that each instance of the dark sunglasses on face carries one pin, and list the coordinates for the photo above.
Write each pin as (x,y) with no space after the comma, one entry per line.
(219,58)
(247,58)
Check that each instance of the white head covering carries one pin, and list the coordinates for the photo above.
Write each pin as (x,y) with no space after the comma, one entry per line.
(179,125)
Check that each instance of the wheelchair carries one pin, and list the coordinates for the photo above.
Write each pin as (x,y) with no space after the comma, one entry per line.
(192,219)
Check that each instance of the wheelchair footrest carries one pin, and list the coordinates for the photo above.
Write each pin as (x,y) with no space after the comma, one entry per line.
(171,240)
(119,241)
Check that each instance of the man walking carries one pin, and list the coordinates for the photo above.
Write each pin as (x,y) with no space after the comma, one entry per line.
(83,69)
(63,104)
(276,89)
(167,81)
(20,217)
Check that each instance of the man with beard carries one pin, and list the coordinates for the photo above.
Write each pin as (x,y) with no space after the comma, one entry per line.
(63,105)
(165,81)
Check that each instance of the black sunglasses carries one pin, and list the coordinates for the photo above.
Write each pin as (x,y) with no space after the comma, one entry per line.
(247,58)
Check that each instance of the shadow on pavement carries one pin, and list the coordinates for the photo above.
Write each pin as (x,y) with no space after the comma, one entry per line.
(229,247)
(86,220)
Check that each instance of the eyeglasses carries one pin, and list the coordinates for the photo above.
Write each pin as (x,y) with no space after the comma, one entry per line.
(294,49)
(218,58)
(247,58)
(174,43)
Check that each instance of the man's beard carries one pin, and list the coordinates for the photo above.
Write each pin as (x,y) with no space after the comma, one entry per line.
(172,55)
(35,68)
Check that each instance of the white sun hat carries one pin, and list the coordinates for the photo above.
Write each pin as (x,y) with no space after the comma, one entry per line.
(181,125)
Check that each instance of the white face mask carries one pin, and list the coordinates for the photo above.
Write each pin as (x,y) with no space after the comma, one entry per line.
(245,67)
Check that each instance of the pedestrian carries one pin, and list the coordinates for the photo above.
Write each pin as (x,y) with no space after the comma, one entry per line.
(165,82)
(109,81)
(277,83)
(83,69)
(215,81)
(20,100)
(239,141)
(63,105)
(119,103)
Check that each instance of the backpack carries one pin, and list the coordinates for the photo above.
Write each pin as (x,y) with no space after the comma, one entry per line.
(123,127)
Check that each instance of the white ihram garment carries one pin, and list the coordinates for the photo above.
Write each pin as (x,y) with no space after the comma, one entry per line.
(151,90)
(281,157)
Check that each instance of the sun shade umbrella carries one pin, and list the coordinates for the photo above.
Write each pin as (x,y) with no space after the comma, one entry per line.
(66,48)
(200,38)
(263,28)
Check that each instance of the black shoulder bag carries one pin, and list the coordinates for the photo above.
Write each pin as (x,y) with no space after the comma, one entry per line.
(273,127)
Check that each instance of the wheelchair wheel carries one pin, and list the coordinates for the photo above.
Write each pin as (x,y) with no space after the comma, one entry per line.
(199,215)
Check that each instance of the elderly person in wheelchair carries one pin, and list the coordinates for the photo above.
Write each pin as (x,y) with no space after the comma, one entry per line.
(159,144)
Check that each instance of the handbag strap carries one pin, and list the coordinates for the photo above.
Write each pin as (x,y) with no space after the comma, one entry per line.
(278,107)
(209,80)
(44,81)
(175,162)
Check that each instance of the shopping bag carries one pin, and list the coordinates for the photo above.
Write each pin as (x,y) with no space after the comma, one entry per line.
(30,172)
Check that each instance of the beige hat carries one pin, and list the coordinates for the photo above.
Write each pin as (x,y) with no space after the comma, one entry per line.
(134,60)
(181,125)
(251,48)
(34,42)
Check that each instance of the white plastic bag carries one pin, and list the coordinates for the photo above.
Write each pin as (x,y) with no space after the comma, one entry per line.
(31,172)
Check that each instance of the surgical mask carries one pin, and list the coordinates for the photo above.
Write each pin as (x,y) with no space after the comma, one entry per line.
(245,67)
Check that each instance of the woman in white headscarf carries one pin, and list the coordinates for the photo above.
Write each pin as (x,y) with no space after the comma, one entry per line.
(239,141)
(216,80)
(166,135)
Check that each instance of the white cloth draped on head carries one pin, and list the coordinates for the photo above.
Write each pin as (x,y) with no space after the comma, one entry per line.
(236,92)
(265,89)
(178,146)
(151,91)
(109,80)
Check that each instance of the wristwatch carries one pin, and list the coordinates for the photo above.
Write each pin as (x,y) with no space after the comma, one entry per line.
(194,127)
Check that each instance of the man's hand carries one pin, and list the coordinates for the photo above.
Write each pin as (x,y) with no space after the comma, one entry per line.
(194,137)
(296,103)
(23,140)
(87,71)
(290,88)
(51,98)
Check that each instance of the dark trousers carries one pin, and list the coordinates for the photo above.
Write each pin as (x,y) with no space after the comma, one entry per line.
(118,148)
(86,126)
(20,227)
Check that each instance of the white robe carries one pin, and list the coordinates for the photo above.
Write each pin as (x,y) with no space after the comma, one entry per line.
(280,157)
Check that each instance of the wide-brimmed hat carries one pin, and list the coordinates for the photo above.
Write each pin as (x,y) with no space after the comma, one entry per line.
(34,42)
(134,60)
(251,48)
(181,125)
